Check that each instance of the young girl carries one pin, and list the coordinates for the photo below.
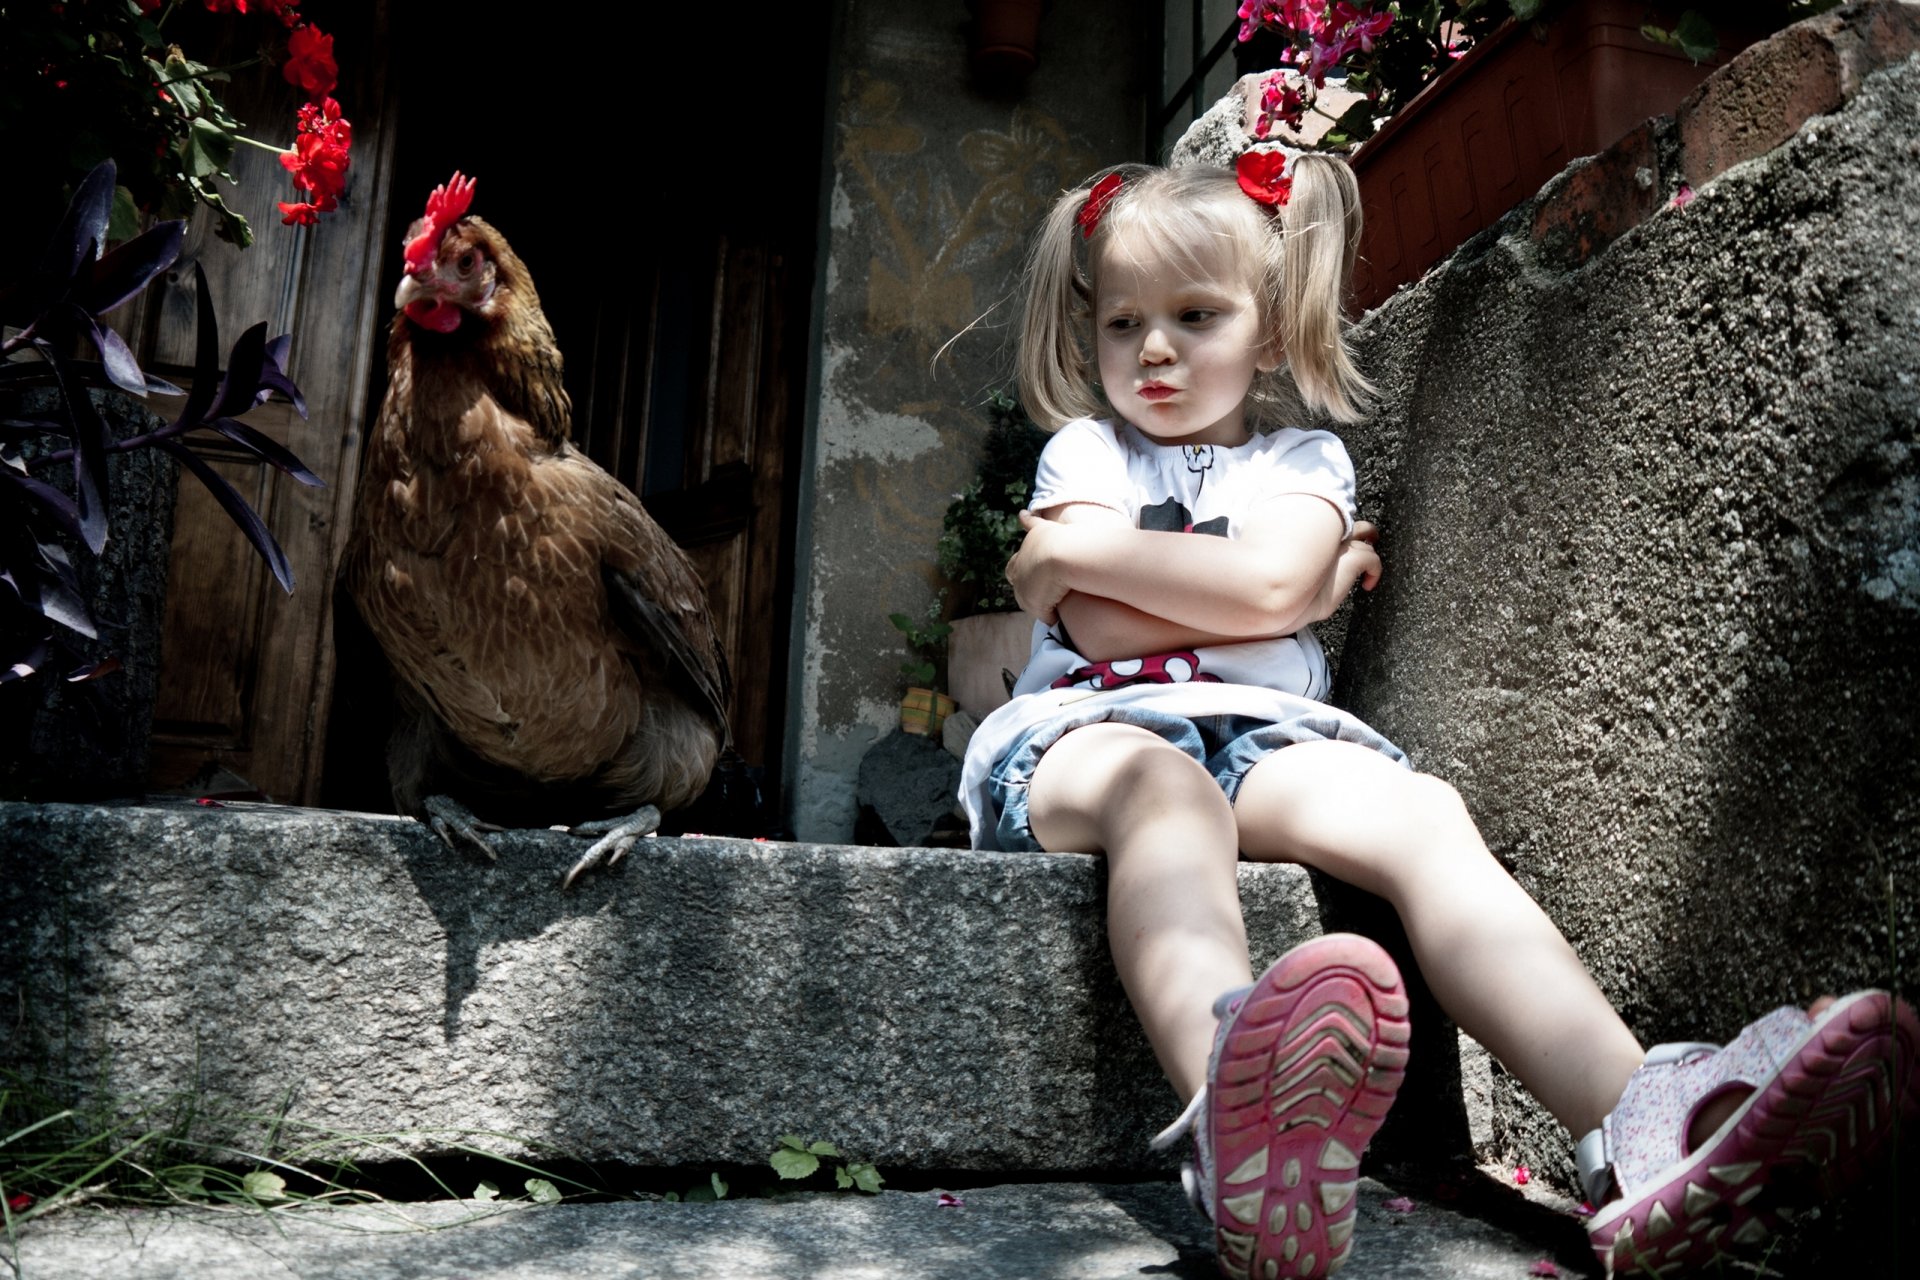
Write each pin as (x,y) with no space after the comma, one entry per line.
(1170,719)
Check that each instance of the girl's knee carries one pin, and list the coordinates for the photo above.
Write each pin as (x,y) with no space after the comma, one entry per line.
(1092,781)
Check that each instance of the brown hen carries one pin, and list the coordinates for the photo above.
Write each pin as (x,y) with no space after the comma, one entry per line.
(552,651)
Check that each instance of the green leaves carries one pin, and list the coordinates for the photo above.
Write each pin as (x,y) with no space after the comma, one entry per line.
(206,150)
(124,221)
(1692,35)
(264,1186)
(1356,124)
(231,227)
(926,639)
(792,1159)
(542,1191)
(981,528)
(797,1158)
(859,1175)
(487,1191)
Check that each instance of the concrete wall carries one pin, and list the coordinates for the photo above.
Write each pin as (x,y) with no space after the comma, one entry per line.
(1649,520)
(933,188)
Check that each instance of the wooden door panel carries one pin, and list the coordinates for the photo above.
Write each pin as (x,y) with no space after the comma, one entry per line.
(687,402)
(217,620)
(246,670)
(733,418)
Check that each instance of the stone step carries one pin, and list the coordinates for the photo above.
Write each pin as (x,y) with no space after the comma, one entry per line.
(924,1009)
(1062,1231)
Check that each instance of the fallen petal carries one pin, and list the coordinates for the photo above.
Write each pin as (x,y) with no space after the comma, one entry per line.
(1399,1204)
(1523,1175)
(1543,1268)
(1683,197)
(948,1201)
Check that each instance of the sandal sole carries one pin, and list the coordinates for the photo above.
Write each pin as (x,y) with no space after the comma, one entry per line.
(1309,1066)
(1805,1134)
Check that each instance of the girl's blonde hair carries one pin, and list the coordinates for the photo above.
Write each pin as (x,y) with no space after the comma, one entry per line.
(1297,260)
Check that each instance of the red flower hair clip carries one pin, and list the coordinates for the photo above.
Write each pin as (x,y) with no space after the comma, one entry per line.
(1097,201)
(1267,176)
(446,206)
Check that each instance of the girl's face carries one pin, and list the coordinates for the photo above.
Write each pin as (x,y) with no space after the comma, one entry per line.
(1178,349)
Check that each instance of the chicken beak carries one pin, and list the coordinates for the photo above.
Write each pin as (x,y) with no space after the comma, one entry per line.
(419,299)
(410,290)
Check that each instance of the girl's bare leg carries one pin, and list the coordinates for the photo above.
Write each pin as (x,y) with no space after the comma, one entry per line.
(1497,965)
(1173,901)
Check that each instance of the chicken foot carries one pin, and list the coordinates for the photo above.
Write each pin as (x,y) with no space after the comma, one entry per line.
(454,823)
(617,837)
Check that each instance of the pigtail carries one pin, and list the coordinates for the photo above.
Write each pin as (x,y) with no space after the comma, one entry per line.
(1320,229)
(1056,384)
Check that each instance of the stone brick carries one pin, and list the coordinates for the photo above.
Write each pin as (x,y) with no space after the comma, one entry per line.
(1761,98)
(925,1009)
(1599,199)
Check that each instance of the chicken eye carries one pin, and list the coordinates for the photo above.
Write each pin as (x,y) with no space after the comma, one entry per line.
(466,263)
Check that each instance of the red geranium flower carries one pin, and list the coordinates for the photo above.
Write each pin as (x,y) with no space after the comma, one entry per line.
(316,164)
(323,118)
(305,215)
(281,9)
(310,66)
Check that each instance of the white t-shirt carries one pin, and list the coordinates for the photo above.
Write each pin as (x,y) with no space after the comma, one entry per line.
(1203,489)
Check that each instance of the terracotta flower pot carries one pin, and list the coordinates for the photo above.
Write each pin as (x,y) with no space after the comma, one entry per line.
(1005,35)
(922,711)
(1507,117)
(981,649)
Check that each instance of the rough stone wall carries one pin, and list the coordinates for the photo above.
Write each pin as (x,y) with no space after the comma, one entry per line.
(1653,572)
(934,188)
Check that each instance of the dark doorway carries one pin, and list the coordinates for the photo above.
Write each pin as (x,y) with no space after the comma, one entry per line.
(668,217)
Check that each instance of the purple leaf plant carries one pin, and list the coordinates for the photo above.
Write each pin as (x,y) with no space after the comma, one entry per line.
(47,316)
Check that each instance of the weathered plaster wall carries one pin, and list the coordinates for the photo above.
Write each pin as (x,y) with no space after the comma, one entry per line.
(1652,535)
(934,187)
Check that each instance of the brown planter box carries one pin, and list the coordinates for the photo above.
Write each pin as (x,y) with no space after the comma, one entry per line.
(1510,115)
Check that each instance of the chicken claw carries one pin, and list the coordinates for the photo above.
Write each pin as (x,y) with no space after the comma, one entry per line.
(617,836)
(450,819)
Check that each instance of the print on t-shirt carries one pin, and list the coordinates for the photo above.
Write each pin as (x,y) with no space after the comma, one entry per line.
(1172,516)
(1183,667)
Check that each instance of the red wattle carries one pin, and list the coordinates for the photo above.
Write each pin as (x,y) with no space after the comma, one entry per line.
(437,316)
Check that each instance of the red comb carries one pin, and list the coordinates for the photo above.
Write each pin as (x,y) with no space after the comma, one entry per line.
(446,206)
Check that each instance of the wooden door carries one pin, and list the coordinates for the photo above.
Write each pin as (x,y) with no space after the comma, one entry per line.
(691,400)
(683,326)
(246,669)
(676,267)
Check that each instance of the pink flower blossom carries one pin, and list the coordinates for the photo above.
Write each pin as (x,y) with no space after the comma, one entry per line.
(1283,97)
(1683,197)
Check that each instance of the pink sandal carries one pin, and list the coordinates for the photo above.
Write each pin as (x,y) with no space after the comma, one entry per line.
(1305,1064)
(1827,1093)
